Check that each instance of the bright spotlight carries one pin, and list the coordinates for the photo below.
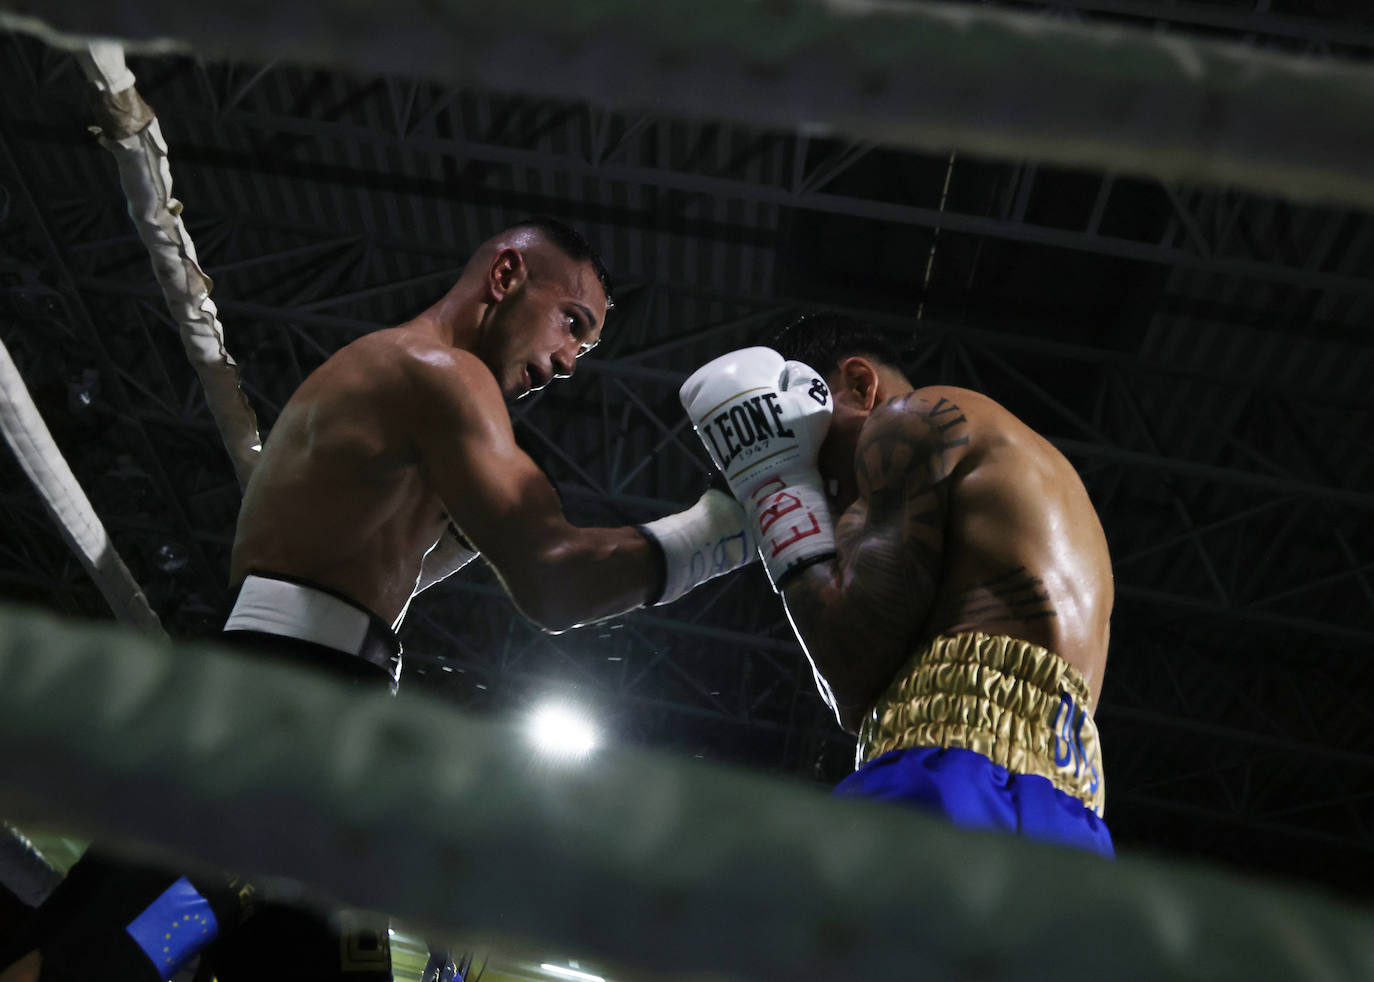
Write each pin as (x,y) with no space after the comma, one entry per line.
(562,731)
(570,973)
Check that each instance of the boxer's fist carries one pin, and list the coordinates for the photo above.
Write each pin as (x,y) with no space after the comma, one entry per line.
(762,420)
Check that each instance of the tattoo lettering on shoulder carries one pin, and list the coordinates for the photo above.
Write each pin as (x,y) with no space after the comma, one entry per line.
(949,421)
(910,441)
(1014,595)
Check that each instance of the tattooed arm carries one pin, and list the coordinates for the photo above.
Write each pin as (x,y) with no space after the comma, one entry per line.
(859,614)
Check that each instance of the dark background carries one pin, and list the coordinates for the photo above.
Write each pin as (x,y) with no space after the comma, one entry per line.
(1202,355)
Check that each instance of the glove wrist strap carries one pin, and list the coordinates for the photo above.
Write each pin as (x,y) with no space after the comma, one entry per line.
(703,542)
(793,525)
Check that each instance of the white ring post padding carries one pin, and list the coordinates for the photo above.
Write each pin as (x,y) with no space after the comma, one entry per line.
(42,461)
(933,76)
(408,806)
(146,177)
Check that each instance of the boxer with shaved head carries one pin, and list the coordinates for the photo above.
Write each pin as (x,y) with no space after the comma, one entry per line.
(393,464)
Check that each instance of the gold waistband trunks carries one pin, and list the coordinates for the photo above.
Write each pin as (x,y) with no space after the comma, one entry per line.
(1016,703)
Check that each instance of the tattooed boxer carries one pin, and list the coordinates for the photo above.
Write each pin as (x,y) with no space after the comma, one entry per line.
(944,570)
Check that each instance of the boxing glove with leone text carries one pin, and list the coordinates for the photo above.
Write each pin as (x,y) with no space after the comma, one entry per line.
(762,419)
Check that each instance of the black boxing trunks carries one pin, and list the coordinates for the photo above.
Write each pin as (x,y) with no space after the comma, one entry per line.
(991,732)
(294,620)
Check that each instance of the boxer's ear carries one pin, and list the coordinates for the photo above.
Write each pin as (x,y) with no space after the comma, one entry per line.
(857,380)
(507,273)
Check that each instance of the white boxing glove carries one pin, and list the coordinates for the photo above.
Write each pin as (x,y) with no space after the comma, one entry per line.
(707,540)
(763,420)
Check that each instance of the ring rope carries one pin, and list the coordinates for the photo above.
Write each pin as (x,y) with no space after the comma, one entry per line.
(978,79)
(40,458)
(408,806)
(129,130)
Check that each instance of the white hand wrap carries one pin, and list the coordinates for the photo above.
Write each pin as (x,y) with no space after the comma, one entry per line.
(762,420)
(707,540)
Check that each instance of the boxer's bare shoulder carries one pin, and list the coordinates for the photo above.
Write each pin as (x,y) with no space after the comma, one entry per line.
(340,497)
(1025,552)
(917,438)
(402,367)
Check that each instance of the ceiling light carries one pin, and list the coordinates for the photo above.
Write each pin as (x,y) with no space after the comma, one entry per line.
(561,730)
(570,973)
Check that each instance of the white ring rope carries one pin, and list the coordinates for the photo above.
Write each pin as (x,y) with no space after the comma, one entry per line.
(43,462)
(130,131)
(132,135)
(932,76)
(407,806)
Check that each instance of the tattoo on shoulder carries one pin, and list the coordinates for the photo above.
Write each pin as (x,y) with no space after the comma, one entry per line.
(894,535)
(950,423)
(864,617)
(910,438)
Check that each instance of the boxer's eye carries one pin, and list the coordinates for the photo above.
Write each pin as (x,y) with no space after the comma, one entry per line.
(580,326)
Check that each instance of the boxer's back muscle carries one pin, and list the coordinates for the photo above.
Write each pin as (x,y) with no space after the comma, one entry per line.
(1024,552)
(339,497)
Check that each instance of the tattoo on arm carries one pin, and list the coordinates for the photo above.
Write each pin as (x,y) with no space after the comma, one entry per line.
(859,616)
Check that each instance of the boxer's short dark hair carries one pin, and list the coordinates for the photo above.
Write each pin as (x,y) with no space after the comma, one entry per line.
(822,340)
(572,244)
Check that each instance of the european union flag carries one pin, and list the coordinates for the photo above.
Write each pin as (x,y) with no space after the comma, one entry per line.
(175,927)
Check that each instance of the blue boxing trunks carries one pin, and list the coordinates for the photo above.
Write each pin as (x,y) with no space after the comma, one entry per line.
(992,733)
(282,617)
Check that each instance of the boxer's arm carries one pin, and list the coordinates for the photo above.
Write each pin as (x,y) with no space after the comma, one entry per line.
(558,574)
(859,614)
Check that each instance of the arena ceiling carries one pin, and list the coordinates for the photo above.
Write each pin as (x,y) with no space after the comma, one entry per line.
(1203,355)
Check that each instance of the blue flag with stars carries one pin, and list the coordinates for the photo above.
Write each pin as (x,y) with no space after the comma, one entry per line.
(175,927)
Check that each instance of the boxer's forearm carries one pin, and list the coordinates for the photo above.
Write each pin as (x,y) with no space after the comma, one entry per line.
(586,576)
(861,614)
(858,614)
(852,645)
